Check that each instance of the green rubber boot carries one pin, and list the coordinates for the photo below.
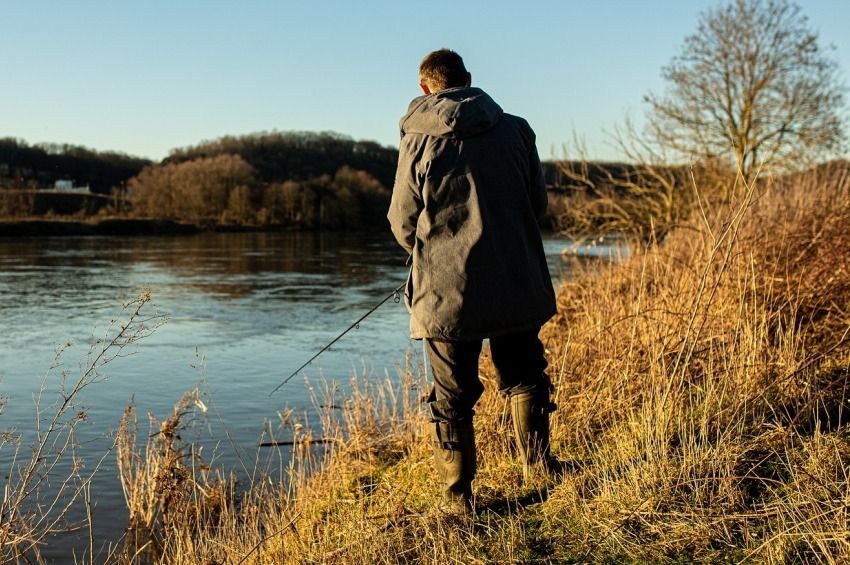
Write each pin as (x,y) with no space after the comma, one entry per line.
(530,414)
(454,458)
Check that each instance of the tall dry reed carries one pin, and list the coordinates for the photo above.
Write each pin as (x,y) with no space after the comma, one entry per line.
(47,481)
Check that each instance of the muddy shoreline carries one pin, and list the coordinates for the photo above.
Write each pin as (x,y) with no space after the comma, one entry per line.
(121,227)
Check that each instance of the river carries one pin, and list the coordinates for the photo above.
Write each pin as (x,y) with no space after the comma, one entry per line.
(243,311)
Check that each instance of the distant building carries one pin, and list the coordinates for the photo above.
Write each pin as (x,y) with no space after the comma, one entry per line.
(68,186)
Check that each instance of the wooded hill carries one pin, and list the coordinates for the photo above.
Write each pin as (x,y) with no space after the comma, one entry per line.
(296,179)
(298,156)
(40,166)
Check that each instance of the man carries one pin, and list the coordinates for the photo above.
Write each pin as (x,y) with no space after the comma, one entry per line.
(468,193)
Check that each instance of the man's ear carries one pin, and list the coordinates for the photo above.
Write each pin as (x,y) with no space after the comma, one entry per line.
(424,87)
(468,79)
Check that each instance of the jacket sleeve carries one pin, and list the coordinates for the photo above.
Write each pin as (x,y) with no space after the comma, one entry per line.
(406,203)
(537,186)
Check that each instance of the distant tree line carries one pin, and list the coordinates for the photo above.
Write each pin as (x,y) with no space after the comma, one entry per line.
(298,179)
(227,189)
(303,179)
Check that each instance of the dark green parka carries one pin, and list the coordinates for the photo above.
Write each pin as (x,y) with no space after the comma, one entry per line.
(468,193)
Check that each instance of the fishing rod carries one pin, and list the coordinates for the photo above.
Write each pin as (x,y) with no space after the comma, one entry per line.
(395,295)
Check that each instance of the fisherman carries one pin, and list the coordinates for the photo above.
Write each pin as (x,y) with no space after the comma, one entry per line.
(468,194)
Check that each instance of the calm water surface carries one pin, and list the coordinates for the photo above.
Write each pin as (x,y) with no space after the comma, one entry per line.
(244,311)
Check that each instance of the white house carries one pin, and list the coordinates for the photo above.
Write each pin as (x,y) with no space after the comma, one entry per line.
(68,186)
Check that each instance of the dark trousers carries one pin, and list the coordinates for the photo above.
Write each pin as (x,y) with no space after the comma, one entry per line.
(519,362)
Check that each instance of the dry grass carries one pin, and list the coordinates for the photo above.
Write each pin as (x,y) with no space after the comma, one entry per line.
(701,386)
(696,378)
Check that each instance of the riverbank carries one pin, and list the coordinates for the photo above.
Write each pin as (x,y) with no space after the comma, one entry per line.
(124,227)
(109,226)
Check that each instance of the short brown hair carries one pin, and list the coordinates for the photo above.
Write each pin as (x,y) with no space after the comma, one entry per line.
(443,69)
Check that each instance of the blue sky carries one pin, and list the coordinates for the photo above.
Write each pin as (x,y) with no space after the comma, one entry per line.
(148,76)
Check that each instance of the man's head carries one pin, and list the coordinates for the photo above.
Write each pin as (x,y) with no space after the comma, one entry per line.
(442,69)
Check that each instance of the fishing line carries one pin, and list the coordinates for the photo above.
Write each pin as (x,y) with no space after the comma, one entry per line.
(395,295)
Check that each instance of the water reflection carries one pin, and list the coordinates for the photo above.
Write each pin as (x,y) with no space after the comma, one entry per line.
(285,266)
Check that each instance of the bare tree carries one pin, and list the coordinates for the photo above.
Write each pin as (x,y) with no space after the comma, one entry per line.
(753,84)
(196,190)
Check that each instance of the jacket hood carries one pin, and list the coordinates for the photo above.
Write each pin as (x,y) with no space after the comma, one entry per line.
(453,113)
